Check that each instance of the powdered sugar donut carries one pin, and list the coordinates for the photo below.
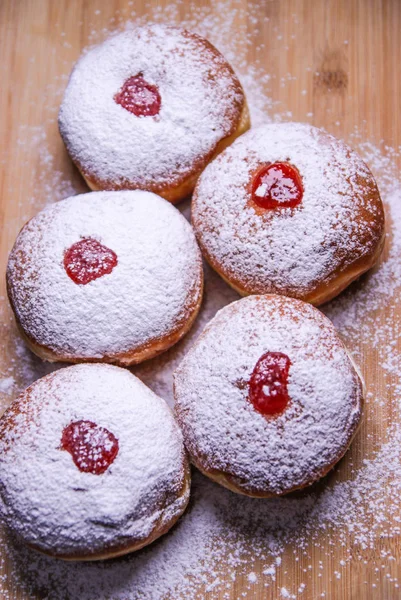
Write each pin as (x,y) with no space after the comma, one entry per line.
(92,464)
(268,398)
(107,276)
(289,209)
(149,108)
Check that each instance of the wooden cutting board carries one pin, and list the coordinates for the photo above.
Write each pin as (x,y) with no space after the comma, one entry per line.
(333,63)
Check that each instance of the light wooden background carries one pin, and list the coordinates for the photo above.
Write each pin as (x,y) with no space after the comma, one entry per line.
(353,45)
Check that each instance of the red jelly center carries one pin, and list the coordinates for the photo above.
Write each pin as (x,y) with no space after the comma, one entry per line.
(268,383)
(277,185)
(87,260)
(92,448)
(139,97)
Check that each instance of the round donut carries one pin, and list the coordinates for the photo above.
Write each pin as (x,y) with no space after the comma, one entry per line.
(92,464)
(289,209)
(107,276)
(268,398)
(149,108)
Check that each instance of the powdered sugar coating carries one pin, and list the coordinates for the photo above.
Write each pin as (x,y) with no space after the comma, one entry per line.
(151,293)
(222,430)
(201,102)
(55,507)
(339,224)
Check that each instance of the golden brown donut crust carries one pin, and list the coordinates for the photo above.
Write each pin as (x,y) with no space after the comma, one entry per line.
(182,189)
(233,484)
(238,119)
(125,359)
(346,266)
(23,274)
(130,547)
(15,415)
(189,378)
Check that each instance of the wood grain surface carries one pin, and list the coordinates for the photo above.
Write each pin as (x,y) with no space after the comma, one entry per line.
(333,63)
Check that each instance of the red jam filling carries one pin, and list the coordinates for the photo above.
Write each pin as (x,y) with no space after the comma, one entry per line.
(93,448)
(88,260)
(278,185)
(139,97)
(268,383)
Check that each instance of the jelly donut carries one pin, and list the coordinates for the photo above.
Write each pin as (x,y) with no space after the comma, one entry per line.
(289,209)
(92,464)
(149,108)
(108,276)
(268,398)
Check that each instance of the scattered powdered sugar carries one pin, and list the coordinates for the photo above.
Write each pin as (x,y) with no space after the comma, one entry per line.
(291,251)
(222,430)
(252,577)
(51,503)
(51,184)
(149,294)
(7,384)
(201,103)
(353,513)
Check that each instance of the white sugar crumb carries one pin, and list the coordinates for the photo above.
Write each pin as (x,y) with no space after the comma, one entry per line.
(252,577)
(222,535)
(7,384)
